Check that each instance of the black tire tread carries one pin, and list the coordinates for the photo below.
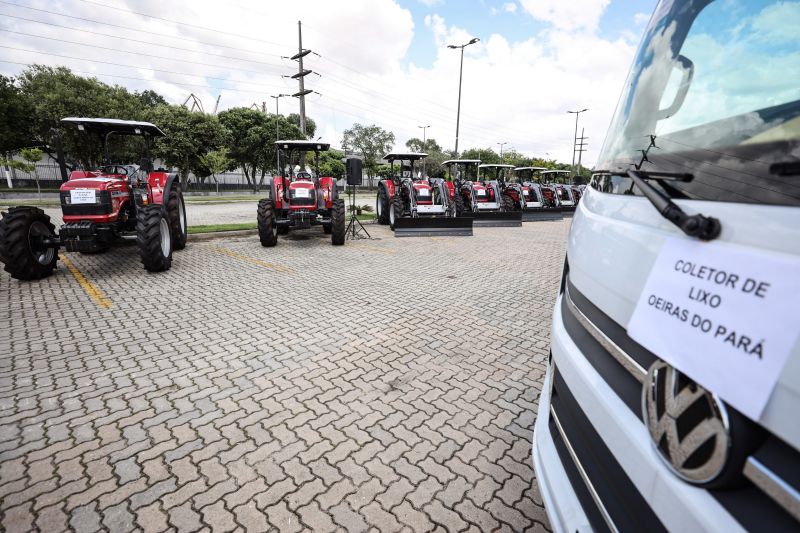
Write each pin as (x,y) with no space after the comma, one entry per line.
(178,237)
(337,222)
(14,249)
(383,198)
(266,223)
(148,238)
(397,201)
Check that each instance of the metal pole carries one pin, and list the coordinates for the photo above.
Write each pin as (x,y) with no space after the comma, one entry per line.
(302,84)
(501,149)
(424,130)
(277,136)
(575,139)
(458,112)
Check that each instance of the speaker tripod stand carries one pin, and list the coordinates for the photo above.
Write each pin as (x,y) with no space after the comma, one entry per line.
(355,228)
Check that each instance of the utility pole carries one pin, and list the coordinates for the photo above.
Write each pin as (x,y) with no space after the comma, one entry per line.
(575,138)
(460,75)
(301,74)
(580,148)
(501,149)
(424,129)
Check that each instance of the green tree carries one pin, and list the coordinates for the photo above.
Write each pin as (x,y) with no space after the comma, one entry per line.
(216,161)
(189,136)
(252,139)
(311,126)
(372,142)
(55,92)
(15,113)
(330,164)
(436,156)
(486,155)
(33,156)
(428,146)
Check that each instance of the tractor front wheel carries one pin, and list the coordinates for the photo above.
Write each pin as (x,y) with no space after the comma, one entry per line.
(176,209)
(382,206)
(508,203)
(22,231)
(267,229)
(337,222)
(154,237)
(458,202)
(395,210)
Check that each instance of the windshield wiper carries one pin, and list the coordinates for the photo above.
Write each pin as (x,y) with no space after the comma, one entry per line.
(698,226)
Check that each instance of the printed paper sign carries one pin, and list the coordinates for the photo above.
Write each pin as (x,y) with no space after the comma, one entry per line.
(481,192)
(82,196)
(423,192)
(302,193)
(724,315)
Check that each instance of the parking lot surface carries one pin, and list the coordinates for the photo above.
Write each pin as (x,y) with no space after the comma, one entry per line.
(389,384)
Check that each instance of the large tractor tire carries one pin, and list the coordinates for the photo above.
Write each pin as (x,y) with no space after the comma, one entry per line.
(267,229)
(176,208)
(395,209)
(508,204)
(154,237)
(382,206)
(458,202)
(21,251)
(337,223)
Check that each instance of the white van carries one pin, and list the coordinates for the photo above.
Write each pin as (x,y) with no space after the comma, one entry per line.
(672,398)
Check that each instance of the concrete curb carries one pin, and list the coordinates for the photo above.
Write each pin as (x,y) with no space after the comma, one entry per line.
(198,237)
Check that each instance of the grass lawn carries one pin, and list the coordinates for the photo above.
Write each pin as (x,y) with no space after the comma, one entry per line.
(212,228)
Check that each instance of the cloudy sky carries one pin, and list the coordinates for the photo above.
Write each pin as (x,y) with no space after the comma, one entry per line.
(379,61)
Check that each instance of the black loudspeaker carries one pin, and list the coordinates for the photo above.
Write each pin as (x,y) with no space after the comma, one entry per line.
(354,171)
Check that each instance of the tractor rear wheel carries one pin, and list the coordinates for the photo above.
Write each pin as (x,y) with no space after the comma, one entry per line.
(337,222)
(176,209)
(395,210)
(267,229)
(382,206)
(154,237)
(508,203)
(22,230)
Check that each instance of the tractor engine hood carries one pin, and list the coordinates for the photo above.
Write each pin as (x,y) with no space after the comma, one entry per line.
(98,183)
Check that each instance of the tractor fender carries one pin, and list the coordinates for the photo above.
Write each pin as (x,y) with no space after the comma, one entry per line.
(160,185)
(328,186)
(389,186)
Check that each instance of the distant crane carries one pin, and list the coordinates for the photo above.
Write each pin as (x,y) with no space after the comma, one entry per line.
(197,104)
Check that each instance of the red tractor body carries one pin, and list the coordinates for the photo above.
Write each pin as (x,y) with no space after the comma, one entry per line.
(98,207)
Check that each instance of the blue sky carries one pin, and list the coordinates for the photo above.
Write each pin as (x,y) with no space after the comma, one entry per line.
(484,17)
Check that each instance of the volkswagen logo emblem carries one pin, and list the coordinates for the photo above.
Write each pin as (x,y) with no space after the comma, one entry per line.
(688,425)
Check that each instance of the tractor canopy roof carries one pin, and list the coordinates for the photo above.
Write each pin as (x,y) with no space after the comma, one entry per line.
(534,169)
(495,165)
(104,126)
(411,156)
(556,172)
(462,162)
(303,146)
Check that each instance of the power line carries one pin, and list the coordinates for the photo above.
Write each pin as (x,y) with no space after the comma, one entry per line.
(223,67)
(183,23)
(136,67)
(149,43)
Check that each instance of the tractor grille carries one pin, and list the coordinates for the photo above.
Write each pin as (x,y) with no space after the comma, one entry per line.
(101,207)
(310,200)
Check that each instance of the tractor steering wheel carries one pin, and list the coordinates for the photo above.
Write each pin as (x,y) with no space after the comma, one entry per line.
(112,169)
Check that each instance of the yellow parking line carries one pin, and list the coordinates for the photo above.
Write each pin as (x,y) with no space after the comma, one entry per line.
(90,288)
(235,255)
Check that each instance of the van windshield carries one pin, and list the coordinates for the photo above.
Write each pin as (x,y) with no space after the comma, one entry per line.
(714,91)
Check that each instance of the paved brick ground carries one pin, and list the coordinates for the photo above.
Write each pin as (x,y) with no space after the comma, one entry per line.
(387,384)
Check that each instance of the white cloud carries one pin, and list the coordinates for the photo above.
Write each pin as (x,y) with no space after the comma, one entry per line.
(640,19)
(567,14)
(430,3)
(510,7)
(514,91)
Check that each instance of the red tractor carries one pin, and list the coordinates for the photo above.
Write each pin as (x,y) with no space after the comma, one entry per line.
(99,207)
(415,206)
(536,201)
(565,196)
(302,199)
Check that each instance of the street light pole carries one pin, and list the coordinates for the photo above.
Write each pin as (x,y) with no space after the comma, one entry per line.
(575,138)
(424,129)
(460,77)
(277,131)
(501,149)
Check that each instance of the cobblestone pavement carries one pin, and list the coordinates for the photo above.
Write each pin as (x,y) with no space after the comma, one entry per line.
(388,384)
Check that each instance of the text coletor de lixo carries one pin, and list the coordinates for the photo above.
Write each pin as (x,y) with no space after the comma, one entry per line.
(713,299)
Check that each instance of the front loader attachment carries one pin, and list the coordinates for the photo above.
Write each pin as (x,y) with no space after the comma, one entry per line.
(497,219)
(433,227)
(568,210)
(536,215)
